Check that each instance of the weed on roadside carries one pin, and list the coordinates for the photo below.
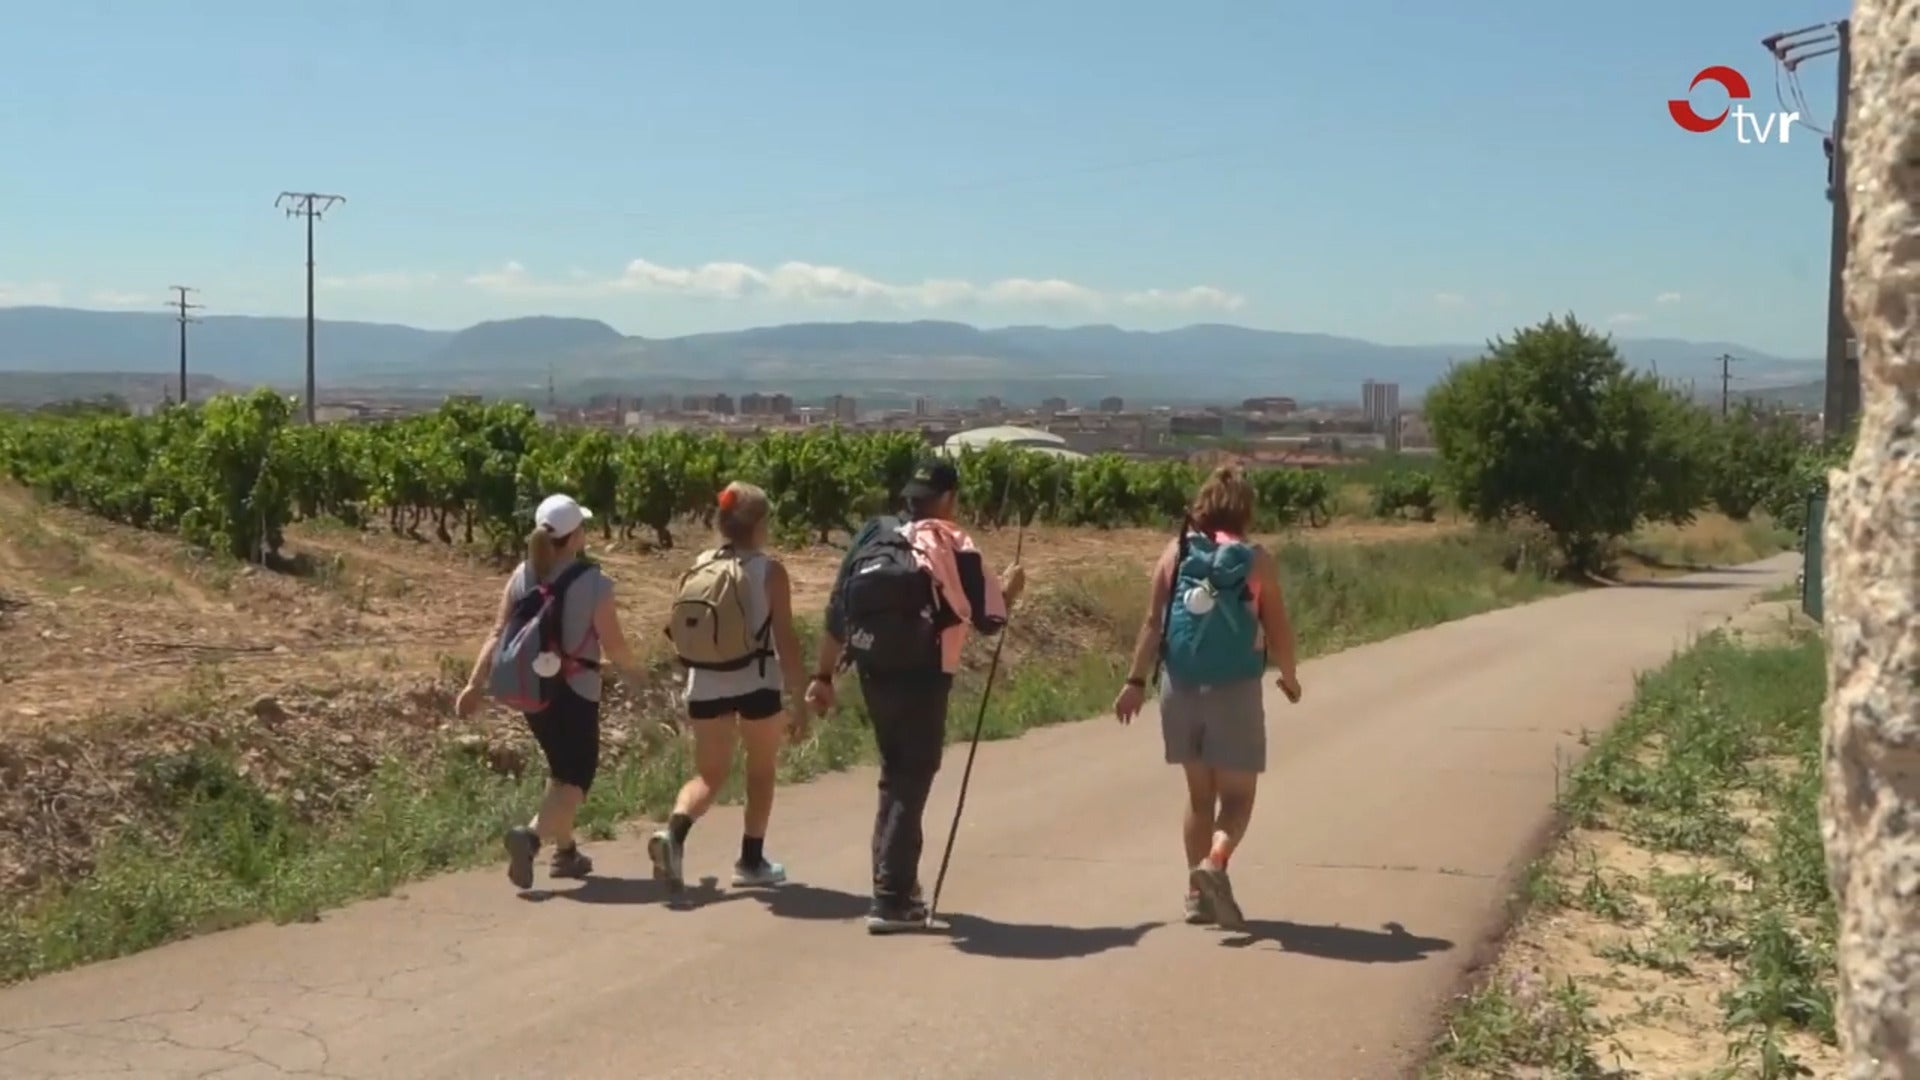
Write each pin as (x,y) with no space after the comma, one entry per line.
(1709,896)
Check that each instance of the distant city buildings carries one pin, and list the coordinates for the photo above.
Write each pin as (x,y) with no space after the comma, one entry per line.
(1380,402)
(1271,406)
(1112,405)
(1053,405)
(842,409)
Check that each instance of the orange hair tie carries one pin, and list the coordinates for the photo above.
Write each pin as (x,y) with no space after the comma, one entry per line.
(727,498)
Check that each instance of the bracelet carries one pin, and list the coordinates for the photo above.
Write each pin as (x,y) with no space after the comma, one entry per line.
(827,679)
(1138,684)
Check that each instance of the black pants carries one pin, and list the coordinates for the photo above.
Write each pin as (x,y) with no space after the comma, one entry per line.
(909,714)
(568,731)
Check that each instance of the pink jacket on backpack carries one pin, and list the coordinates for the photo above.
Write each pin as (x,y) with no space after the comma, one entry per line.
(950,556)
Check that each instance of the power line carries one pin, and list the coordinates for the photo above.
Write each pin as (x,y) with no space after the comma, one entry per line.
(310,205)
(1789,51)
(180,304)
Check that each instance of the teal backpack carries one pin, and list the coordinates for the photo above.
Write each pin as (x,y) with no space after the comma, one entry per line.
(1212,630)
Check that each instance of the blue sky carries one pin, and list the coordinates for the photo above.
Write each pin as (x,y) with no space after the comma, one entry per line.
(1399,171)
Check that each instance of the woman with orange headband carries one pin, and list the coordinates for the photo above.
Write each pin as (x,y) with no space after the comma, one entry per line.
(732,628)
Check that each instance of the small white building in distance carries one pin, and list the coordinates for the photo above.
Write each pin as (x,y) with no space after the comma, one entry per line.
(1024,438)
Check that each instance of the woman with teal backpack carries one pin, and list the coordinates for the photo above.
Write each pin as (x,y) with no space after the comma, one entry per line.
(1217,621)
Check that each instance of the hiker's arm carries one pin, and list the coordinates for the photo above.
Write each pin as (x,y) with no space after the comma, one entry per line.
(613,637)
(1273,615)
(1147,645)
(483,664)
(786,643)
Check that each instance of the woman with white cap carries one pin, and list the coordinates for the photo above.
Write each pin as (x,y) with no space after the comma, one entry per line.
(568,728)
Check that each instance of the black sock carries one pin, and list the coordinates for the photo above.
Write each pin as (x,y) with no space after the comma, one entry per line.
(568,848)
(753,851)
(678,826)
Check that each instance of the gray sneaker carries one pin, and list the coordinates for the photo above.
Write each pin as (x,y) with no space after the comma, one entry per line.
(1199,909)
(666,856)
(755,877)
(1212,883)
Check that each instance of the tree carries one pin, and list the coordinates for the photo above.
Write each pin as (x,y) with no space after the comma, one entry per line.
(1554,426)
(1755,453)
(1871,744)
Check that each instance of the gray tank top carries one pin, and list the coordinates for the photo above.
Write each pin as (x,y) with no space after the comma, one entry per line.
(760,675)
(584,596)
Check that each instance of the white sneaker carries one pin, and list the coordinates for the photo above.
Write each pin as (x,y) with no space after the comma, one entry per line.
(767,873)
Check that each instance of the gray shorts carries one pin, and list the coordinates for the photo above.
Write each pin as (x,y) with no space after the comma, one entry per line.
(1222,726)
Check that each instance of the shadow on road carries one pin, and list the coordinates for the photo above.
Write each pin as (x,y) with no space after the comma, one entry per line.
(614,890)
(1391,944)
(1681,583)
(968,933)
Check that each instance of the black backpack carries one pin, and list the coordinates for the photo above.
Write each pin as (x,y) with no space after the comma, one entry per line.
(894,616)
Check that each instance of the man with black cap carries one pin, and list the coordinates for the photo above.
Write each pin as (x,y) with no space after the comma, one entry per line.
(907,594)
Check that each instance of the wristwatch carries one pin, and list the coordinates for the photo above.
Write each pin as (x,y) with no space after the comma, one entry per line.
(827,679)
(1138,684)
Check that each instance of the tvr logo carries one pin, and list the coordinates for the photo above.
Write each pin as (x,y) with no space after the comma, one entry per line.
(1764,126)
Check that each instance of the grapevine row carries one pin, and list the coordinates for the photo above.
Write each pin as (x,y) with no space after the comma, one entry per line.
(231,473)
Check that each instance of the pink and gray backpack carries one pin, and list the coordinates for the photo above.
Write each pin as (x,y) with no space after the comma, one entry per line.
(530,665)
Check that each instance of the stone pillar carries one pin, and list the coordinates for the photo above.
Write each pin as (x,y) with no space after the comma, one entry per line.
(1871,814)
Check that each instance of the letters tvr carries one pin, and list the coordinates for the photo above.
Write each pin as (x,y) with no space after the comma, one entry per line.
(1764,125)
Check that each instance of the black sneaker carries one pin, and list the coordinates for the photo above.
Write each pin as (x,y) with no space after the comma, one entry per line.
(522,845)
(569,863)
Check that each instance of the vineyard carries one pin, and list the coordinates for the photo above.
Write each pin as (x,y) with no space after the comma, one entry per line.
(231,474)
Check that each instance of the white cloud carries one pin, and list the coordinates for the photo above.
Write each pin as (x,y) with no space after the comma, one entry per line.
(29,294)
(378,281)
(1668,298)
(113,298)
(1450,299)
(1627,318)
(811,283)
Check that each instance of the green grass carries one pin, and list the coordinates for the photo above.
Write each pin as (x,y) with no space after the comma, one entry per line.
(219,850)
(1719,759)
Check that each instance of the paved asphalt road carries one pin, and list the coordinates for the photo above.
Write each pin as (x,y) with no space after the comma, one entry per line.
(1404,794)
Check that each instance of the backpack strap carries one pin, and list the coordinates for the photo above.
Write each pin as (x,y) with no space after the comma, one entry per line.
(558,590)
(1173,596)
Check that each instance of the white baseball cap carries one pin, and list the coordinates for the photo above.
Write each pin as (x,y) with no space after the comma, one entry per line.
(560,515)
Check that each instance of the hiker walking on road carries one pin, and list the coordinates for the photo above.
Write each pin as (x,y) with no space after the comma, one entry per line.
(1217,619)
(543,657)
(732,628)
(906,596)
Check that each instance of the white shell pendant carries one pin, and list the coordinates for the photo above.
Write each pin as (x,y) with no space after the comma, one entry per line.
(546,665)
(1198,600)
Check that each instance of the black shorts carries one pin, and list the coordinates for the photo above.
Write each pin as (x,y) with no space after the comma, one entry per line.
(752,705)
(568,731)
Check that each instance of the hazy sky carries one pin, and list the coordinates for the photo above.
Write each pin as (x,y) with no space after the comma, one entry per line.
(1397,171)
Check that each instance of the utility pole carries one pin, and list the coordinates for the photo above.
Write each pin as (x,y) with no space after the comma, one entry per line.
(1790,50)
(1726,381)
(181,305)
(310,205)
(1843,363)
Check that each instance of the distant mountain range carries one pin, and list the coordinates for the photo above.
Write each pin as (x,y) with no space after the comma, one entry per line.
(877,360)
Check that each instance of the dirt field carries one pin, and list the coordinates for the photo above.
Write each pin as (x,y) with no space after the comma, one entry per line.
(98,618)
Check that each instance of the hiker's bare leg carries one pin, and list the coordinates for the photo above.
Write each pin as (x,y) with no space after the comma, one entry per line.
(1236,812)
(1198,826)
(713,742)
(762,739)
(554,823)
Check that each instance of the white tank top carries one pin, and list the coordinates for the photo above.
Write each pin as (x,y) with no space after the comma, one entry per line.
(759,675)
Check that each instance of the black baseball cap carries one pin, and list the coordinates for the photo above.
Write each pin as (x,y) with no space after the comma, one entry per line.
(931,479)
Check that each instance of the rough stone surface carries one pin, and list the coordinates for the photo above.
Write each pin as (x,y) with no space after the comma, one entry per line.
(1872,808)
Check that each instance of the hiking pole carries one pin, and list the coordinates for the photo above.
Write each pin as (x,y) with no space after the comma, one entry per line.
(979,725)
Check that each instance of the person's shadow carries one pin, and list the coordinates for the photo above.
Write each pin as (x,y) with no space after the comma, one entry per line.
(1391,944)
(968,933)
(616,890)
